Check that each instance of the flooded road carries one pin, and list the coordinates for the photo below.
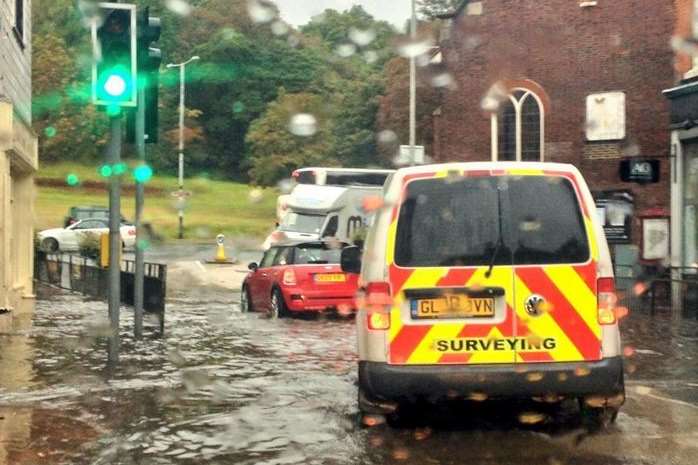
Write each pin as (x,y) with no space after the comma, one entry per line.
(224,387)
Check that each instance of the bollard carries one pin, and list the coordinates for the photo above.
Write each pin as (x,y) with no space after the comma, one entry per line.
(220,259)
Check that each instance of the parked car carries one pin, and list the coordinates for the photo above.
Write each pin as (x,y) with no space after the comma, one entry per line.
(299,277)
(488,279)
(68,239)
(76,214)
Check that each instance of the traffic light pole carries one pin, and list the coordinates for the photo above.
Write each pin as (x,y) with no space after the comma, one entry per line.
(140,198)
(114,300)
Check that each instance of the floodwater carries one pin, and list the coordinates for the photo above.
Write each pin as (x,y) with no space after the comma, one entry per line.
(224,387)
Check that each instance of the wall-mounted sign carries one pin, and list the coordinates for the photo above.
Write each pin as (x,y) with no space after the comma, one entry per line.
(605,116)
(655,238)
(639,170)
(616,209)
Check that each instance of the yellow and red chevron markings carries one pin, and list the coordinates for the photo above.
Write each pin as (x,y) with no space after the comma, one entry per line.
(569,319)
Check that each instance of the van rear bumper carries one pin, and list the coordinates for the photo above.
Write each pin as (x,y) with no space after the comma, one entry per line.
(381,382)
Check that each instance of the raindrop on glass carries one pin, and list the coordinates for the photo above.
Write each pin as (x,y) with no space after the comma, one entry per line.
(72,180)
(256,195)
(260,11)
(279,28)
(50,132)
(285,186)
(387,137)
(370,56)
(180,7)
(303,124)
(362,37)
(442,80)
(345,50)
(414,48)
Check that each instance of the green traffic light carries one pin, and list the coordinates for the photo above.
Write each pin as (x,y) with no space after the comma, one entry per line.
(143,173)
(115,85)
(72,180)
(119,169)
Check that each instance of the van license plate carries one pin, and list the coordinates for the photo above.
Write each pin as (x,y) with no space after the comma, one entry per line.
(330,278)
(453,306)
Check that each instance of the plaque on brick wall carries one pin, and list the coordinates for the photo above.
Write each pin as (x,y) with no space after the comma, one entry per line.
(605,116)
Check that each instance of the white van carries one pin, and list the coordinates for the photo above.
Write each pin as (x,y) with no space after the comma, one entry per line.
(314,212)
(486,280)
(345,177)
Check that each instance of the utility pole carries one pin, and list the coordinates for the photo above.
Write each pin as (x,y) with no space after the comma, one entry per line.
(114,272)
(182,76)
(140,199)
(413,86)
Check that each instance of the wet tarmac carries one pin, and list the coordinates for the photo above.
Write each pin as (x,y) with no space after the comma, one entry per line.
(224,387)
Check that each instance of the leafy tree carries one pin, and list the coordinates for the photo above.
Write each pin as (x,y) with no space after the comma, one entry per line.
(275,150)
(354,27)
(434,8)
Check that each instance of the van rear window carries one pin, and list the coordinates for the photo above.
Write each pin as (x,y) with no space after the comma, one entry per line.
(446,223)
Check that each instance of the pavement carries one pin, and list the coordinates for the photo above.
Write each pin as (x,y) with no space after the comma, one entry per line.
(227,387)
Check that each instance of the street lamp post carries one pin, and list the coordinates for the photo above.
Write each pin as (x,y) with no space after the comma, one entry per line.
(181,67)
(413,87)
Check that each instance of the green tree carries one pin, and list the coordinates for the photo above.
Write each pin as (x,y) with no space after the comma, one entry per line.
(279,143)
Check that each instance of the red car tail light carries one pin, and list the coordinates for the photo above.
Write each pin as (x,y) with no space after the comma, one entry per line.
(378,301)
(606,300)
(289,278)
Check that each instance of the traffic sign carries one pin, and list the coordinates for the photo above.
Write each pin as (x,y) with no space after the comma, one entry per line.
(410,155)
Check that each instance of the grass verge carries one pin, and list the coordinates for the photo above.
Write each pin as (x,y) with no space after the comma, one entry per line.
(215,207)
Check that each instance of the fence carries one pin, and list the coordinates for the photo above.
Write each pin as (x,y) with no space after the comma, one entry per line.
(674,290)
(83,275)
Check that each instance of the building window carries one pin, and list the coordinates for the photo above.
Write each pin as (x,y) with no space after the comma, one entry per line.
(518,128)
(19,19)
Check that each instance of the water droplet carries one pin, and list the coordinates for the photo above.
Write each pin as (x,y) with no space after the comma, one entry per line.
(534,377)
(293,41)
(143,244)
(640,288)
(401,453)
(387,137)
(345,50)
(477,396)
(180,7)
(632,150)
(414,48)
(303,124)
(582,371)
(362,37)
(279,28)
(261,11)
(372,203)
(421,434)
(370,56)
(285,186)
(494,97)
(373,420)
(256,195)
(442,80)
(531,418)
(50,132)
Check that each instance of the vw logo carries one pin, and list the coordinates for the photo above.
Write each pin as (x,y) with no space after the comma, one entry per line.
(533,305)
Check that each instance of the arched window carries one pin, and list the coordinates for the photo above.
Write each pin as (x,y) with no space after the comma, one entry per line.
(518,128)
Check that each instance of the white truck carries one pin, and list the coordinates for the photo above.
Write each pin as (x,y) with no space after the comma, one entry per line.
(318,211)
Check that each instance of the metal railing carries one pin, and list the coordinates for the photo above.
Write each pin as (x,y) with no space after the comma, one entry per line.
(671,290)
(84,275)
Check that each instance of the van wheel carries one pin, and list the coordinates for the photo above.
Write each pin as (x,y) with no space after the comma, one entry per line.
(597,418)
(278,306)
(245,302)
(49,245)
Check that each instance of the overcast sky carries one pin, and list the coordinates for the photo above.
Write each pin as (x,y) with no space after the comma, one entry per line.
(298,12)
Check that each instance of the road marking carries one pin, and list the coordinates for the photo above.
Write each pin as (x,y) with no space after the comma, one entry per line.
(201,266)
(647,392)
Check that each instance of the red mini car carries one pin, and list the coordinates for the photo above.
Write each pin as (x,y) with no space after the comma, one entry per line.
(299,277)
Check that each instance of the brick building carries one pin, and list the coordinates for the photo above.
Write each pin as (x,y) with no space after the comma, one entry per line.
(18,156)
(566,81)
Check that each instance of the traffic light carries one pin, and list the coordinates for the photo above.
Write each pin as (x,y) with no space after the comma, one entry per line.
(149,60)
(114,72)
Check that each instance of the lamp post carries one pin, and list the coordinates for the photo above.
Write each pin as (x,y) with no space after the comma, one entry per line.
(181,67)
(413,86)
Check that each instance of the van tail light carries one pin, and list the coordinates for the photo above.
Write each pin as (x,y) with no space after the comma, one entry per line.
(378,302)
(606,301)
(289,278)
